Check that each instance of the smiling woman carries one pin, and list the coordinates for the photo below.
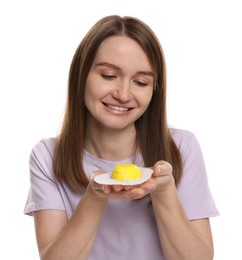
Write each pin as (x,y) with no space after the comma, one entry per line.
(115,115)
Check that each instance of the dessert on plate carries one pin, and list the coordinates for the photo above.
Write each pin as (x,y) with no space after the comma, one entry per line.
(126,172)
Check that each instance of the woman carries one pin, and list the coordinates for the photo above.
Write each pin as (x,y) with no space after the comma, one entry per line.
(116,114)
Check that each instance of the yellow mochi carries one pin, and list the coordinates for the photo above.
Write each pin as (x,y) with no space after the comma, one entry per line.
(126,172)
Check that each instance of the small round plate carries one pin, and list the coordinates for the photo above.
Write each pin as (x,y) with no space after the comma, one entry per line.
(106,178)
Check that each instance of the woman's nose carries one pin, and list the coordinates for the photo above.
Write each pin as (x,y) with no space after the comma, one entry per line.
(122,92)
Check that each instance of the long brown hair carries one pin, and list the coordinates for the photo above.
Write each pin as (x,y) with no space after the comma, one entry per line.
(153,137)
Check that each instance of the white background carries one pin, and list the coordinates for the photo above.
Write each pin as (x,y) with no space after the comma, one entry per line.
(202,44)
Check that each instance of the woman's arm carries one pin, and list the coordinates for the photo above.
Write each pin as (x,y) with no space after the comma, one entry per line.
(60,239)
(180,238)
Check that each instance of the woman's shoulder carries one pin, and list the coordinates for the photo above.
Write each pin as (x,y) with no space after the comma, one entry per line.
(184,139)
(41,158)
(181,134)
(45,144)
(44,148)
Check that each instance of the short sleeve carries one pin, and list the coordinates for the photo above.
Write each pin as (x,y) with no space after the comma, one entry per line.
(193,189)
(43,191)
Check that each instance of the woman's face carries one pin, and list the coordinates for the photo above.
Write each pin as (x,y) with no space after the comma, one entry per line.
(119,85)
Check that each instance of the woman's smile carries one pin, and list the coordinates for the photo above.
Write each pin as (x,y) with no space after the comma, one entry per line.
(117,108)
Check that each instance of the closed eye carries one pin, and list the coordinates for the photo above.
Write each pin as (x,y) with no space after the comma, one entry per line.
(140,83)
(108,77)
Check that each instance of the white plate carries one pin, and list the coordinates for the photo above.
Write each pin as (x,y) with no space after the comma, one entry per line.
(106,178)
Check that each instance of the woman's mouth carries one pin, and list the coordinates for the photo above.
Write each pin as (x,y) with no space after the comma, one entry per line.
(118,108)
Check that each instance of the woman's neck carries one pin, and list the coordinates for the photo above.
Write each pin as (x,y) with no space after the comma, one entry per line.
(111,145)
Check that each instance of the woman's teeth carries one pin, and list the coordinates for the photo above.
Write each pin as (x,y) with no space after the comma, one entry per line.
(118,108)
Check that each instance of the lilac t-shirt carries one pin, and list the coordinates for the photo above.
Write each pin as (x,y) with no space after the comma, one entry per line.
(128,228)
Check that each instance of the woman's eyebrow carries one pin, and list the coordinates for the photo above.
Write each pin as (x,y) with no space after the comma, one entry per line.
(145,73)
(110,65)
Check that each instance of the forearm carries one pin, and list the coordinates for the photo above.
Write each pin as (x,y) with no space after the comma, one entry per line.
(178,237)
(76,239)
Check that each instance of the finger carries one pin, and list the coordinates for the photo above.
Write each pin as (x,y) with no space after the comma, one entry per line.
(130,187)
(106,189)
(141,190)
(162,168)
(132,194)
(117,188)
(148,186)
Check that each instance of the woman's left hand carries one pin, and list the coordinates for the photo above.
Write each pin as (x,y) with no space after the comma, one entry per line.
(162,176)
